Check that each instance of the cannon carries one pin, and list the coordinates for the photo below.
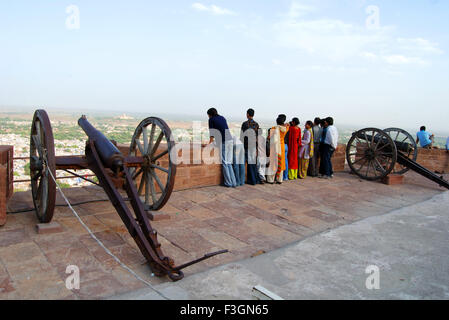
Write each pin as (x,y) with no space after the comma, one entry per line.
(373,154)
(147,172)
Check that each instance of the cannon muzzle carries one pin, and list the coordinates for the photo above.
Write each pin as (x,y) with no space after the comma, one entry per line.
(109,154)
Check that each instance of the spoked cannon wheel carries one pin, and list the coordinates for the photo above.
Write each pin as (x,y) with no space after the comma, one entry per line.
(42,166)
(155,179)
(371,153)
(405,139)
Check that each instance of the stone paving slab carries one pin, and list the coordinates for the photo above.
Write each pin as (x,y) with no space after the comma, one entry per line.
(246,220)
(408,246)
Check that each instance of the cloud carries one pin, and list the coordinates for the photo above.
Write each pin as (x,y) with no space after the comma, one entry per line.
(394,59)
(338,40)
(299,10)
(400,59)
(332,38)
(419,45)
(212,9)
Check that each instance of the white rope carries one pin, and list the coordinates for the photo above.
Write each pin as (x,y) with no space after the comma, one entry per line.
(124,266)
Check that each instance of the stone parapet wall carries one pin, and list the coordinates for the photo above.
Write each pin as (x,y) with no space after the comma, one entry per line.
(436,160)
(339,158)
(6,179)
(200,174)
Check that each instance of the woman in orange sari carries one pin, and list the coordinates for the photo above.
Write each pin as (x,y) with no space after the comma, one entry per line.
(277,151)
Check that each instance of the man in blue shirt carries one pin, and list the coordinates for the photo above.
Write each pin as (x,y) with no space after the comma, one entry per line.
(424,138)
(219,131)
(328,145)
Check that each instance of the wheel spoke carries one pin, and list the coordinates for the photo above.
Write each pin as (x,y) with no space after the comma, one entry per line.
(37,145)
(160,155)
(357,161)
(44,191)
(135,175)
(150,142)
(152,189)
(139,145)
(160,168)
(357,154)
(156,145)
(37,125)
(397,136)
(374,168)
(360,141)
(367,168)
(145,140)
(378,142)
(404,139)
(161,186)
(39,189)
(142,183)
(363,164)
(367,140)
(380,165)
(147,188)
(384,146)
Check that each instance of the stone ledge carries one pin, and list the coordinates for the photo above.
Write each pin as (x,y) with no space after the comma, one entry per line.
(436,160)
(393,179)
(3,197)
(190,176)
(47,228)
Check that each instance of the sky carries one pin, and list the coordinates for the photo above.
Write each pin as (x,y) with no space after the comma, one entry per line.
(364,62)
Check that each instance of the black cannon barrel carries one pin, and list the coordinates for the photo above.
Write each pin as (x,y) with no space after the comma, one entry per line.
(109,154)
(400,146)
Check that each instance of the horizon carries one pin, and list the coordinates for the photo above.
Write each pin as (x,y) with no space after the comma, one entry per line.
(197,117)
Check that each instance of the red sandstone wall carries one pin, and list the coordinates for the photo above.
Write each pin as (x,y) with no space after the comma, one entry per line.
(436,160)
(189,175)
(6,179)
(202,175)
(339,158)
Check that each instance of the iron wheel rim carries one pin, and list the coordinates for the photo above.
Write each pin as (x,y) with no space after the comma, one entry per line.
(369,159)
(397,134)
(156,163)
(42,166)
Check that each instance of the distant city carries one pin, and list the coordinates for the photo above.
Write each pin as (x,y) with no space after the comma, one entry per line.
(70,139)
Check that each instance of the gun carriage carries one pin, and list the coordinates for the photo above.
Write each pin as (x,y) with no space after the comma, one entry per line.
(373,154)
(147,175)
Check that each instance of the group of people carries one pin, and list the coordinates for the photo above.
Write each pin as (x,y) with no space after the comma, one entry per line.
(286,153)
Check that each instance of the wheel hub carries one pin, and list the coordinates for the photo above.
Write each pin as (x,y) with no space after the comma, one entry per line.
(146,161)
(370,154)
(36,164)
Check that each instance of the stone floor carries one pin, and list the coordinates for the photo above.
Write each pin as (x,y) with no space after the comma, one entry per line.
(408,246)
(247,221)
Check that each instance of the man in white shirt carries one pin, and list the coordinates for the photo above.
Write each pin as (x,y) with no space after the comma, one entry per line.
(328,145)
